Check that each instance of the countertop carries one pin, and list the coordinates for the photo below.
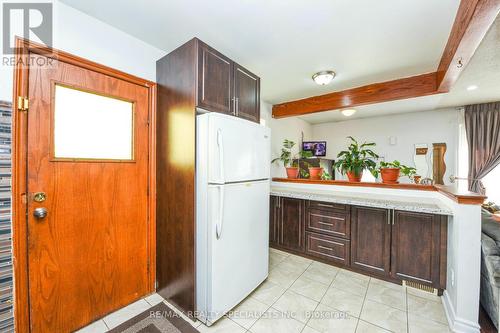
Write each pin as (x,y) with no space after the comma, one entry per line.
(413,204)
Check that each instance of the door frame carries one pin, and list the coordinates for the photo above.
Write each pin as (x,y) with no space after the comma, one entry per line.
(19,168)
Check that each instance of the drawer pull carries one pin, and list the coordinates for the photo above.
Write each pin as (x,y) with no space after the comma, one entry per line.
(329,217)
(325,247)
(324,205)
(319,222)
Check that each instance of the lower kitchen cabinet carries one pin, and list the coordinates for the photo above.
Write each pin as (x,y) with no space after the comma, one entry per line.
(328,248)
(390,244)
(419,248)
(287,228)
(371,239)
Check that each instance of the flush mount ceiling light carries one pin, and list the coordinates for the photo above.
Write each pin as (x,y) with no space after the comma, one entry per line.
(472,87)
(348,112)
(323,78)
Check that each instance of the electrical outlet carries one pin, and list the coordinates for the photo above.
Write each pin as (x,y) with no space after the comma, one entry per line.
(452,278)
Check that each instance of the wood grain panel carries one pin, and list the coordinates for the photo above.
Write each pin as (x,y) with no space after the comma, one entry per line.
(247,94)
(418,258)
(415,86)
(473,19)
(371,239)
(90,255)
(291,223)
(334,223)
(175,204)
(215,80)
(326,247)
(357,184)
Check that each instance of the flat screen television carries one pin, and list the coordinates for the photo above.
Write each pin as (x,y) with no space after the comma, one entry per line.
(318,148)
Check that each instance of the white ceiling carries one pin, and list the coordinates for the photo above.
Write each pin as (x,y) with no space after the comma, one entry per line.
(483,71)
(285,42)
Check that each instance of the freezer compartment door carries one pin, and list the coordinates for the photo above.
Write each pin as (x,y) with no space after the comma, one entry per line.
(239,243)
(238,150)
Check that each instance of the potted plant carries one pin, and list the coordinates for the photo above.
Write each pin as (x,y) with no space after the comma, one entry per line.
(356,159)
(290,162)
(391,171)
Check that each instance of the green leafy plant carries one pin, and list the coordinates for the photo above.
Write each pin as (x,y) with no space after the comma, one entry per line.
(403,169)
(290,160)
(325,175)
(286,153)
(356,158)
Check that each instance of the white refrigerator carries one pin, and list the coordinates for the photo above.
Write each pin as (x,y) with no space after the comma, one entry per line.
(232,211)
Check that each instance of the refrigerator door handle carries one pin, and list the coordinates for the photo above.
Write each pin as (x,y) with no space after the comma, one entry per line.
(220,144)
(218,226)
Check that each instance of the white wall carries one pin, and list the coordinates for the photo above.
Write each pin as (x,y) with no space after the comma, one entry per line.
(286,128)
(418,127)
(87,37)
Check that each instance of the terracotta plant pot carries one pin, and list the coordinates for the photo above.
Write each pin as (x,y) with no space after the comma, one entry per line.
(389,175)
(315,173)
(292,172)
(353,177)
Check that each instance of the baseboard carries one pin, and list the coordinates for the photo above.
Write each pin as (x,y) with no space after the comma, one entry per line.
(457,325)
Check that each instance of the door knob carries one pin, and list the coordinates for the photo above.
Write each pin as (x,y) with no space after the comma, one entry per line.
(40,213)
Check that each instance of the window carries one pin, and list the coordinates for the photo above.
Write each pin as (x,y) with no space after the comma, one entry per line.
(91,126)
(491,182)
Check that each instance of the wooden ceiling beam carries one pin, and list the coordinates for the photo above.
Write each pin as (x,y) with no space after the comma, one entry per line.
(415,86)
(473,20)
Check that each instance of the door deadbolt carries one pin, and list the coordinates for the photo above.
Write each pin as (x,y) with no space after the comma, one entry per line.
(39,197)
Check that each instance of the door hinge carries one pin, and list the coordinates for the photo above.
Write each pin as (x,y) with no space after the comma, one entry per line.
(22,103)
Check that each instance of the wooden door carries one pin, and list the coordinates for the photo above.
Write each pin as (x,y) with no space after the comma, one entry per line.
(273,220)
(215,81)
(419,248)
(89,255)
(291,224)
(247,94)
(371,239)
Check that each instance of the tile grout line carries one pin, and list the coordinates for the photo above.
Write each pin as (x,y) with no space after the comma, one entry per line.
(281,295)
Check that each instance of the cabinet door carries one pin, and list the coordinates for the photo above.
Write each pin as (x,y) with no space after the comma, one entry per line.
(273,220)
(247,94)
(215,80)
(371,239)
(291,224)
(419,247)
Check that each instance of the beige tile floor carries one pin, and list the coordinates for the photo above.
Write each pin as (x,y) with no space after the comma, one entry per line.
(302,295)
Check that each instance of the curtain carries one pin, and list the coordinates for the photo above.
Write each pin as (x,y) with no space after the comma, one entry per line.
(482,123)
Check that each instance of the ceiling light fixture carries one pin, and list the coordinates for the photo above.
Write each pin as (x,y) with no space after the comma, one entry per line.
(348,112)
(472,87)
(323,78)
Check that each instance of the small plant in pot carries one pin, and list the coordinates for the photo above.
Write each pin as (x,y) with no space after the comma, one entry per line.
(357,158)
(391,171)
(290,162)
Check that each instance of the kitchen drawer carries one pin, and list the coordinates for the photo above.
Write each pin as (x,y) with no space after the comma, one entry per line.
(330,222)
(329,248)
(327,206)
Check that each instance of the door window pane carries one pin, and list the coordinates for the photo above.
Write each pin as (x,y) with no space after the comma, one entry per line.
(91,126)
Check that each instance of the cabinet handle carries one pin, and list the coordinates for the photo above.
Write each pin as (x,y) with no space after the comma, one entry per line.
(392,217)
(237,105)
(324,205)
(389,217)
(325,248)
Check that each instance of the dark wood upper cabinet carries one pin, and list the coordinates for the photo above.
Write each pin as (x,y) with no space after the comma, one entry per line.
(419,247)
(215,80)
(225,86)
(371,239)
(246,94)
